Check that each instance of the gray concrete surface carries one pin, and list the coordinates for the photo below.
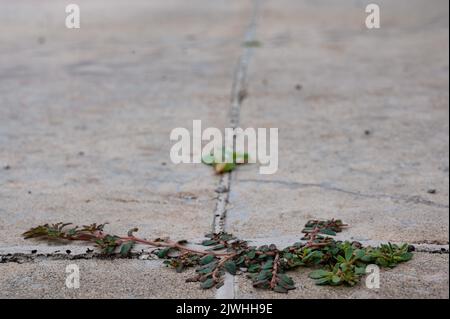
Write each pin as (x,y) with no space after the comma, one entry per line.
(98,279)
(392,82)
(85,117)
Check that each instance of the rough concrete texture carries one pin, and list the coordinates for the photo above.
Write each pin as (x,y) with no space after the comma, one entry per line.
(366,135)
(85,118)
(98,279)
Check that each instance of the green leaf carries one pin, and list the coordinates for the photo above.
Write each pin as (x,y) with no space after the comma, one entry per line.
(360,271)
(110,249)
(268,265)
(280,289)
(327,231)
(218,247)
(322,281)
(254,268)
(251,254)
(209,242)
(131,231)
(265,284)
(316,274)
(348,253)
(219,284)
(208,283)
(286,282)
(367,258)
(126,248)
(406,256)
(335,279)
(230,266)
(72,232)
(241,260)
(285,278)
(205,271)
(240,158)
(179,268)
(359,254)
(163,252)
(207,259)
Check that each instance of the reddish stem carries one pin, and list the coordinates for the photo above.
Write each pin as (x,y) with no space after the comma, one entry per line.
(274,280)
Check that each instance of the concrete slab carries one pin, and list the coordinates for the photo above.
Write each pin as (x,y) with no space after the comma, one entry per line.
(86,114)
(362,117)
(98,279)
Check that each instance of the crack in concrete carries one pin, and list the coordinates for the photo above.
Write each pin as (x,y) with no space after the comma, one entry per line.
(238,95)
(415,199)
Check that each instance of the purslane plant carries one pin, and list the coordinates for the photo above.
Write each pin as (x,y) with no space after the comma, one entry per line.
(339,263)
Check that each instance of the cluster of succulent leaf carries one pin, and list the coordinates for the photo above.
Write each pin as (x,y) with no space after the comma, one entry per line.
(335,262)
(349,261)
(226,164)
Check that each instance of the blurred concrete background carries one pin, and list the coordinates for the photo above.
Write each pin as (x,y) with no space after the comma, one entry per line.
(85,117)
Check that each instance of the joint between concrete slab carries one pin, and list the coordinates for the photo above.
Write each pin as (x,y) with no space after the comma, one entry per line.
(238,94)
(414,199)
(32,255)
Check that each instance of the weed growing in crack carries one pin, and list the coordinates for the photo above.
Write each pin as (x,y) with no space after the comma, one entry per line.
(338,263)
